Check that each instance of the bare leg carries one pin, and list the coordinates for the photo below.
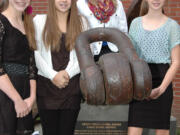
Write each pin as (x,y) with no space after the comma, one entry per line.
(134,131)
(162,132)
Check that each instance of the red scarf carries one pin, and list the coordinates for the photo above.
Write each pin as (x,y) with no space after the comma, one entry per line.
(103,10)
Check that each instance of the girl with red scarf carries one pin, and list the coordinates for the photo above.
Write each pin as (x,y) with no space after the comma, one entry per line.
(103,13)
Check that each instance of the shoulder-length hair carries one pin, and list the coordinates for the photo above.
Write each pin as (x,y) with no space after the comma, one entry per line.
(144,8)
(52,34)
(28,24)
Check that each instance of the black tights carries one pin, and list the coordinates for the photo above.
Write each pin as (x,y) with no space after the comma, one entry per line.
(58,122)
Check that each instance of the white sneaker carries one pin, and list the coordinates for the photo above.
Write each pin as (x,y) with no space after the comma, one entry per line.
(36,133)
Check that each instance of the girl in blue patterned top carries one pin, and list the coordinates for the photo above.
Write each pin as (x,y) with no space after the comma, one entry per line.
(156,39)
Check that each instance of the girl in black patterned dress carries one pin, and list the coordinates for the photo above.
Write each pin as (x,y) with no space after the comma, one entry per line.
(17,68)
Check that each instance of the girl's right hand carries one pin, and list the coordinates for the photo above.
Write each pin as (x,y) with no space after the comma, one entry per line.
(21,108)
(157,92)
(61,79)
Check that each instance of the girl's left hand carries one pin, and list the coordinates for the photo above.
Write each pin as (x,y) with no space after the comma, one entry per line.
(30,102)
(156,92)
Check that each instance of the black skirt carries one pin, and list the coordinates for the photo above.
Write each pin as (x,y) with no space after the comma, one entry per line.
(154,114)
(9,123)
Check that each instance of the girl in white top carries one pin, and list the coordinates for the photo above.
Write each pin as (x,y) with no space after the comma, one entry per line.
(103,13)
(58,92)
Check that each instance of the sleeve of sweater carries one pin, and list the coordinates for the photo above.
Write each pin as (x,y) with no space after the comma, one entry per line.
(73,66)
(122,18)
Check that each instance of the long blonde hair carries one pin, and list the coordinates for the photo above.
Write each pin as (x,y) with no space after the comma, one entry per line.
(28,24)
(145,7)
(52,34)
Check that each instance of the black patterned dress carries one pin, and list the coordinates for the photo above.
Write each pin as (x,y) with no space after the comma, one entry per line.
(17,61)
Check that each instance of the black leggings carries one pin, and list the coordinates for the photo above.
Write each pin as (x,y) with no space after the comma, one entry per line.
(58,122)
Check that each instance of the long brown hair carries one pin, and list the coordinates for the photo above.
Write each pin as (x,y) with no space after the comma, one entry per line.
(3,5)
(52,34)
(29,28)
(28,24)
(145,7)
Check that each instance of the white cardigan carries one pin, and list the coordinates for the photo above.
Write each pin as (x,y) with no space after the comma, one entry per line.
(117,20)
(43,56)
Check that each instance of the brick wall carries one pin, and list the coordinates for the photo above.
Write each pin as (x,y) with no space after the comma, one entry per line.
(39,6)
(173,10)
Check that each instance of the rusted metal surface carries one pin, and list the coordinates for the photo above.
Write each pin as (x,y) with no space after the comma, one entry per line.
(133,11)
(117,77)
